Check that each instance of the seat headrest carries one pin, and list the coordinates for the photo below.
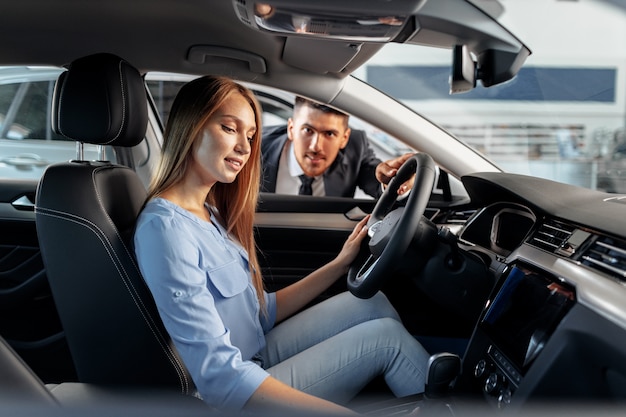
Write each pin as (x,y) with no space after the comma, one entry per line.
(101,99)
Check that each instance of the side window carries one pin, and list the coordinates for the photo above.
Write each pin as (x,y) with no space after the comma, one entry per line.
(277,107)
(26,111)
(27,143)
(275,110)
(163,93)
(7,93)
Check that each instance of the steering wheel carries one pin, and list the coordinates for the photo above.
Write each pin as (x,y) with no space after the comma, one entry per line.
(391,232)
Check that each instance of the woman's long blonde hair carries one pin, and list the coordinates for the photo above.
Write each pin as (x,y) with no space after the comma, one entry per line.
(236,202)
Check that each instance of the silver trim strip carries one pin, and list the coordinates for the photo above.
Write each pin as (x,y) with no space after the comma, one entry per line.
(601,294)
(319,221)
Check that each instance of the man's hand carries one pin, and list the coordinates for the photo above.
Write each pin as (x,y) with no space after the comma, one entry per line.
(386,170)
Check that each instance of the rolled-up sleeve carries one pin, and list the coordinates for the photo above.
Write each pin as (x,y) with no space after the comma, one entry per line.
(169,261)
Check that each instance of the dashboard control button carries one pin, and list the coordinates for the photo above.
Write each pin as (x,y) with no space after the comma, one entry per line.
(494,383)
(504,398)
(480,368)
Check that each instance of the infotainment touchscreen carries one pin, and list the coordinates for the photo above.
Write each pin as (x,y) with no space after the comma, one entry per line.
(525,312)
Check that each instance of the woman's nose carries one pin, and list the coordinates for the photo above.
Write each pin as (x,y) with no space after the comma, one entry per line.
(243,145)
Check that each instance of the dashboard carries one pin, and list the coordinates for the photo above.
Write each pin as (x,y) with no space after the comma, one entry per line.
(506,224)
(554,325)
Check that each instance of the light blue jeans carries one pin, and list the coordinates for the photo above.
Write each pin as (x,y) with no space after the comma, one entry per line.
(333,349)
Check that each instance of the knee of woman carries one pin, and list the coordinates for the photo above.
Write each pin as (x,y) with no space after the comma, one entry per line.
(391,327)
(382,304)
(394,332)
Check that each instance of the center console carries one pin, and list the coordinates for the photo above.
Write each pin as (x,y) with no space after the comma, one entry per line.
(519,318)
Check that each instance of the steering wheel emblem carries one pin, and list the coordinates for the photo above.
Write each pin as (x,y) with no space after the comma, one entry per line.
(371,231)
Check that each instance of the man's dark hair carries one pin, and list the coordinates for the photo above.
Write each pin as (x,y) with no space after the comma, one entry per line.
(301,101)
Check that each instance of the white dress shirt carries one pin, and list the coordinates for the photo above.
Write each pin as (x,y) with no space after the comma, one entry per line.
(289,171)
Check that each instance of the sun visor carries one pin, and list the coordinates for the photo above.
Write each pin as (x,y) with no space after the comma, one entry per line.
(306,53)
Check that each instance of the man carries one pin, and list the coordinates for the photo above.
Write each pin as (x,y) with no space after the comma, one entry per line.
(316,153)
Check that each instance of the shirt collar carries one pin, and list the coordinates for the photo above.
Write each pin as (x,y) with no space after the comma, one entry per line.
(295,170)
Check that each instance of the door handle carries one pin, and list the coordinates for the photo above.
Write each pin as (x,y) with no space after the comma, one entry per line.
(23,203)
(25,161)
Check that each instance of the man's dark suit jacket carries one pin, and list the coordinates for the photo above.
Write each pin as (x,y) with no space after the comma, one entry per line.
(355,165)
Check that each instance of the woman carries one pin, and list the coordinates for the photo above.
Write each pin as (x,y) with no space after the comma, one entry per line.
(195,247)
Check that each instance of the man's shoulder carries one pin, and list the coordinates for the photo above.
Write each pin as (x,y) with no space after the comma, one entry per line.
(358,135)
(273,137)
(358,142)
(273,132)
(359,148)
(358,139)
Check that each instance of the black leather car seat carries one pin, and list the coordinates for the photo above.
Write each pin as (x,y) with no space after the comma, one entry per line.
(18,383)
(22,393)
(85,215)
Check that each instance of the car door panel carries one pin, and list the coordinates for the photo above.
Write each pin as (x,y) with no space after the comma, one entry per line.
(297,235)
(28,318)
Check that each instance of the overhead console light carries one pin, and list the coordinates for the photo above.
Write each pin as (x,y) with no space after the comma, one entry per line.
(304,19)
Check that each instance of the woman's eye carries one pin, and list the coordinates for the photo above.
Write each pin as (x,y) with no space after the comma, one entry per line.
(250,140)
(228,129)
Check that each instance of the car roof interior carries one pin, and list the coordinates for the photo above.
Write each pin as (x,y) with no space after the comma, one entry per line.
(200,45)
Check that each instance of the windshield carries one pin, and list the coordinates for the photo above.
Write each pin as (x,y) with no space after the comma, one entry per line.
(562,117)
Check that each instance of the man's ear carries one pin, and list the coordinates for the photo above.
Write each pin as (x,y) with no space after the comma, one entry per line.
(346,138)
(290,129)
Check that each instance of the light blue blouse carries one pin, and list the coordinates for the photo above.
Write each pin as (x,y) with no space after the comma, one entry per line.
(201,283)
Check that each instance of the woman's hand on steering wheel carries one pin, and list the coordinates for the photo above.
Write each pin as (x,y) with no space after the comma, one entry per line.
(352,245)
(392,231)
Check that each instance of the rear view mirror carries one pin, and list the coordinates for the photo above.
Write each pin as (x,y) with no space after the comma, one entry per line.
(491,67)
(463,75)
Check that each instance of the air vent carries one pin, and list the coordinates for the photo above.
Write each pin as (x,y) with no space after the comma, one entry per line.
(607,255)
(551,235)
(459,217)
(452,217)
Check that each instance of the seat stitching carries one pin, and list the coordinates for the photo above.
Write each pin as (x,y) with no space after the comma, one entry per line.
(124,96)
(179,367)
(144,313)
(132,259)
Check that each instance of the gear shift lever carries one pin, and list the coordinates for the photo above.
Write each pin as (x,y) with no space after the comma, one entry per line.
(442,369)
